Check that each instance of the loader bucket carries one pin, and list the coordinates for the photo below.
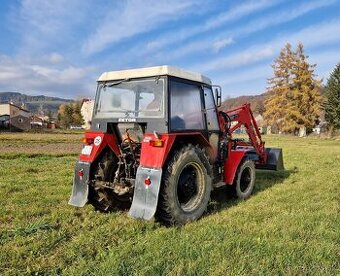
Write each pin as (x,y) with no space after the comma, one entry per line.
(274,160)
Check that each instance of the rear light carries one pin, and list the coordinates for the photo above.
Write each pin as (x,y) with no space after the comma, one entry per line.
(157,143)
(81,173)
(147,181)
(87,141)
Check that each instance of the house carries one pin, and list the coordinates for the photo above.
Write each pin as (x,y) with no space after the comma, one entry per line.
(14,118)
(87,111)
(4,122)
(39,121)
(52,125)
(261,124)
(322,127)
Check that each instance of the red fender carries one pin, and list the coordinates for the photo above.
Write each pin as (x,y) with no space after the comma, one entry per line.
(231,165)
(155,157)
(106,139)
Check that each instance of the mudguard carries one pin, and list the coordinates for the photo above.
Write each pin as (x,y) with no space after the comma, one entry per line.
(80,190)
(231,165)
(145,197)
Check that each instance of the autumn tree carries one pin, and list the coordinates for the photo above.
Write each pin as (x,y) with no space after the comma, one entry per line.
(294,93)
(278,87)
(70,114)
(332,93)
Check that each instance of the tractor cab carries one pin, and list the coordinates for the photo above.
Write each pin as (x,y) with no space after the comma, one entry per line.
(163,99)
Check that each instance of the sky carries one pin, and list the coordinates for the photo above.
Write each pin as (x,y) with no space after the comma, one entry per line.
(60,48)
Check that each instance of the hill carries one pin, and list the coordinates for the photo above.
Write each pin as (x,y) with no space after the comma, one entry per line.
(35,104)
(256,102)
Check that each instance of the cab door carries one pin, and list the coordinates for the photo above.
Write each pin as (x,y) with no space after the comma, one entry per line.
(212,122)
(210,110)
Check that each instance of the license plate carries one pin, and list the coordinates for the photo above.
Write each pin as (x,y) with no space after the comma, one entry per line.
(86,150)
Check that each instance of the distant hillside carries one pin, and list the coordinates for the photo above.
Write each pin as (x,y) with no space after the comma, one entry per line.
(256,102)
(34,103)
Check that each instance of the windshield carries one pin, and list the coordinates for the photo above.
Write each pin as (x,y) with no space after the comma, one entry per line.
(130,98)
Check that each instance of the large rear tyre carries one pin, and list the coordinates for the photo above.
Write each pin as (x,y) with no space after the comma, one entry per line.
(186,187)
(104,199)
(244,181)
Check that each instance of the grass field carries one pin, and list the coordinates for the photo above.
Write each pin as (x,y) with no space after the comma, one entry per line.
(289,226)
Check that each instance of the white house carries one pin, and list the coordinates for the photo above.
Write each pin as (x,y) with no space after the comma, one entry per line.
(87,111)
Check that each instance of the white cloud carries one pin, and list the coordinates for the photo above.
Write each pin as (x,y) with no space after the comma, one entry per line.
(135,17)
(238,73)
(280,17)
(222,43)
(233,14)
(55,58)
(44,24)
(248,56)
(312,36)
(257,72)
(238,12)
(202,45)
(199,45)
(20,75)
(45,32)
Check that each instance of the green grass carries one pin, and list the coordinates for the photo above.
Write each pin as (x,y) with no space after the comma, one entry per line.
(289,226)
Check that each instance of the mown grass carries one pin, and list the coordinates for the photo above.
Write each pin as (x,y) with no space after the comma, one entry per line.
(289,226)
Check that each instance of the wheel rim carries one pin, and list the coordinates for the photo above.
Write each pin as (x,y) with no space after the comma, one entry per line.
(189,190)
(245,181)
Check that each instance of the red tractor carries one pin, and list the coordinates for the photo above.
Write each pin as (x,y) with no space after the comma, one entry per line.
(159,145)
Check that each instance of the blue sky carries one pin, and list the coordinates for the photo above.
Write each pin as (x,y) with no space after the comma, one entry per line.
(60,47)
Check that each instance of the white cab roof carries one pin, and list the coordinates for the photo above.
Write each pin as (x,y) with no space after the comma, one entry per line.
(152,72)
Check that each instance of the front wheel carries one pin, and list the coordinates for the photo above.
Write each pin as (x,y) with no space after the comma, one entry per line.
(244,181)
(186,187)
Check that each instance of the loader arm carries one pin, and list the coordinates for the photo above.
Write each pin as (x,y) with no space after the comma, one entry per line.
(243,116)
(268,158)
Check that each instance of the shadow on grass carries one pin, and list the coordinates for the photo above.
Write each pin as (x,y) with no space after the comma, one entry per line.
(222,197)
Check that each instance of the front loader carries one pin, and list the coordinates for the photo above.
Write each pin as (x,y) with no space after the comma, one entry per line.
(158,145)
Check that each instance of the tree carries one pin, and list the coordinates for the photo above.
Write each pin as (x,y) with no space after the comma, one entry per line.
(50,115)
(77,118)
(332,93)
(278,88)
(259,108)
(294,94)
(70,114)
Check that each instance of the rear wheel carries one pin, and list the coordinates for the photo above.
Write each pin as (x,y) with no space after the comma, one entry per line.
(104,199)
(186,187)
(244,182)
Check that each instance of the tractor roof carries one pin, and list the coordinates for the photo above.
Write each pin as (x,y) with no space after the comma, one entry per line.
(153,72)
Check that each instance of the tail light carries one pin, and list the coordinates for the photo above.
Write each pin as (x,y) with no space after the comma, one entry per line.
(157,143)
(147,181)
(81,173)
(87,141)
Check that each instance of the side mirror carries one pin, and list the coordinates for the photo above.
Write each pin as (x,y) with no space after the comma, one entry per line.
(218,95)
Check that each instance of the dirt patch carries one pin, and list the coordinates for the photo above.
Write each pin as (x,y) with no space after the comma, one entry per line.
(58,148)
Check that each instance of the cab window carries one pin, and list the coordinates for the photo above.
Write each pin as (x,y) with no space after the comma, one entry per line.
(186,106)
(212,120)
